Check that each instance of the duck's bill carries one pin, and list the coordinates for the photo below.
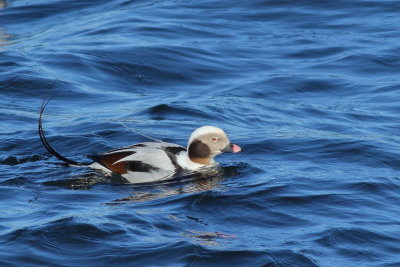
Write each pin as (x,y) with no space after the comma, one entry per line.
(231,148)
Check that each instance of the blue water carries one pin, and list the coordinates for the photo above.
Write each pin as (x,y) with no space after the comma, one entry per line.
(309,89)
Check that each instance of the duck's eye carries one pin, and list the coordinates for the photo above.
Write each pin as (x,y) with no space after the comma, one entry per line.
(214,139)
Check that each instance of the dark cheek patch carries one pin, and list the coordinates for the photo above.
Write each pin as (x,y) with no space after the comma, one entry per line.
(198,149)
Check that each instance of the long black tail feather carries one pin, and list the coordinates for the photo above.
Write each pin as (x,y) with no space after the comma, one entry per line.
(46,143)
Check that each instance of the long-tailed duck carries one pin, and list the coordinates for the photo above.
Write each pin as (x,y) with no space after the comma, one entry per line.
(156,161)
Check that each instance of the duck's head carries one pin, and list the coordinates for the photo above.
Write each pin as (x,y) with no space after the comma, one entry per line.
(207,142)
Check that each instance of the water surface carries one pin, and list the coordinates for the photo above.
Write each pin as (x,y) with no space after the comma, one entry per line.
(310,90)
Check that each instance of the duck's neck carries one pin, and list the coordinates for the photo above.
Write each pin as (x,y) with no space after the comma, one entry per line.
(202,161)
(187,163)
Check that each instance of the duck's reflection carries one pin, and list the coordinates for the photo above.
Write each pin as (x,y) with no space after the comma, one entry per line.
(190,183)
(184,184)
(5,38)
(209,239)
(3,4)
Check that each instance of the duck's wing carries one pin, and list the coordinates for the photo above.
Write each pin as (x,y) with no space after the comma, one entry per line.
(110,161)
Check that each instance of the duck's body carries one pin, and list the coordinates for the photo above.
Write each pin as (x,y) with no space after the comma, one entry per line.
(145,162)
(156,161)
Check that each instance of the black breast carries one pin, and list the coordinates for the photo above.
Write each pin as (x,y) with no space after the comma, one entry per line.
(171,152)
(174,149)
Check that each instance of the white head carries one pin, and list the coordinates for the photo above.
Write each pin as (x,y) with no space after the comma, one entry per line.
(206,142)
